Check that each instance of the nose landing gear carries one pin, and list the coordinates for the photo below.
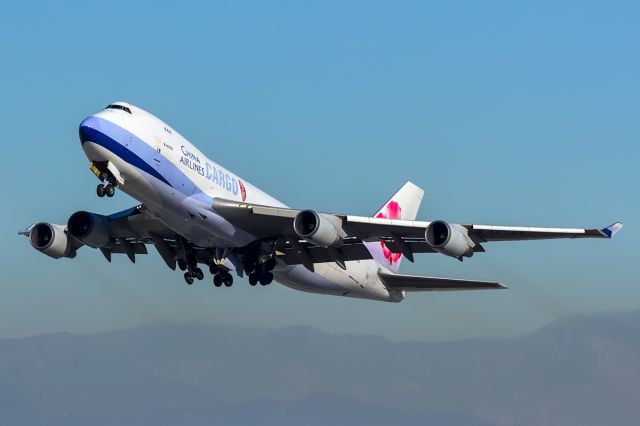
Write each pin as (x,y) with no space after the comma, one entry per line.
(109,190)
(108,175)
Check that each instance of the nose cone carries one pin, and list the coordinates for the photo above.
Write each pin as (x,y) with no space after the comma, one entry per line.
(88,129)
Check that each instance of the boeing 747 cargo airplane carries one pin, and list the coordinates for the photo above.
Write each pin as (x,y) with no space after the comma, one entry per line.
(195,212)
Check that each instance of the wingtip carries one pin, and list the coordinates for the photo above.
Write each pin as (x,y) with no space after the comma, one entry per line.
(612,229)
(25,232)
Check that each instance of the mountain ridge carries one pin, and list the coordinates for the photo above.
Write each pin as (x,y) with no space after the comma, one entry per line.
(582,370)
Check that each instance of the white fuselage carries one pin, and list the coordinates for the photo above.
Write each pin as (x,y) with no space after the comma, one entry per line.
(176,181)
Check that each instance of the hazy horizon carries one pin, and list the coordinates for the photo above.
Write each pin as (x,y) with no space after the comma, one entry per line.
(582,370)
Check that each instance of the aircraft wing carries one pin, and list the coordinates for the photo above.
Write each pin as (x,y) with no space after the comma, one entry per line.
(413,283)
(399,236)
(131,230)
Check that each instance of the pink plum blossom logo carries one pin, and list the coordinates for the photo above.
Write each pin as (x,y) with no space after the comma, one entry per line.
(392,211)
(243,190)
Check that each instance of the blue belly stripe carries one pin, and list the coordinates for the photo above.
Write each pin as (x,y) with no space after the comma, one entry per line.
(139,154)
(89,134)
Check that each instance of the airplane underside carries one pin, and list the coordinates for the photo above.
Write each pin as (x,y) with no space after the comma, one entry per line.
(185,216)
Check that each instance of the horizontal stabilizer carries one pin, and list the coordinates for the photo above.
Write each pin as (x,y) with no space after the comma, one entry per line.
(414,283)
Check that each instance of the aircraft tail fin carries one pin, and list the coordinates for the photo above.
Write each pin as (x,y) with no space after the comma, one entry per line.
(404,204)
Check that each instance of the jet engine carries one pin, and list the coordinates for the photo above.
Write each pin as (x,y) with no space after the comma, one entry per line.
(319,228)
(451,240)
(51,240)
(89,228)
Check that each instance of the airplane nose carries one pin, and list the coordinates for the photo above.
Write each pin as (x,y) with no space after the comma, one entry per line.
(88,128)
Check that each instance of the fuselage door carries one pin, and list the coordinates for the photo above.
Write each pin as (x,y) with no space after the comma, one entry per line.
(157,154)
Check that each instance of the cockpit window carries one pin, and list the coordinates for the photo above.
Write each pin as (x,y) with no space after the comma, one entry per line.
(114,106)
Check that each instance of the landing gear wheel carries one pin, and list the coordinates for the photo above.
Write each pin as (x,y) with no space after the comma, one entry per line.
(100,190)
(217,280)
(198,273)
(213,268)
(188,278)
(270,264)
(253,279)
(192,261)
(267,279)
(227,280)
(109,190)
(261,269)
(182,264)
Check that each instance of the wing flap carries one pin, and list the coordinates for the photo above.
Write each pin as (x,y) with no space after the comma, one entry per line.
(260,221)
(416,283)
(374,228)
(485,233)
(322,254)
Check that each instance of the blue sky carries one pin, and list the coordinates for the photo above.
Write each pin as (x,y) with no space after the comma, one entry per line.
(504,112)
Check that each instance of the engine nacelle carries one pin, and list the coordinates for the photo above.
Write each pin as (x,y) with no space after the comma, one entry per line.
(451,240)
(89,228)
(319,228)
(51,240)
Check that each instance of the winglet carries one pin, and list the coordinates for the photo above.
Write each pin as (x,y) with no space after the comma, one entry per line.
(612,230)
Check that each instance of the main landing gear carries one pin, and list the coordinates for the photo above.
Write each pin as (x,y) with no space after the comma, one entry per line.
(192,272)
(257,266)
(109,190)
(262,273)
(190,265)
(197,274)
(220,276)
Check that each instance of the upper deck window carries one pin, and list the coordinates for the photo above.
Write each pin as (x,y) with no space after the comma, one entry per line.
(115,106)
